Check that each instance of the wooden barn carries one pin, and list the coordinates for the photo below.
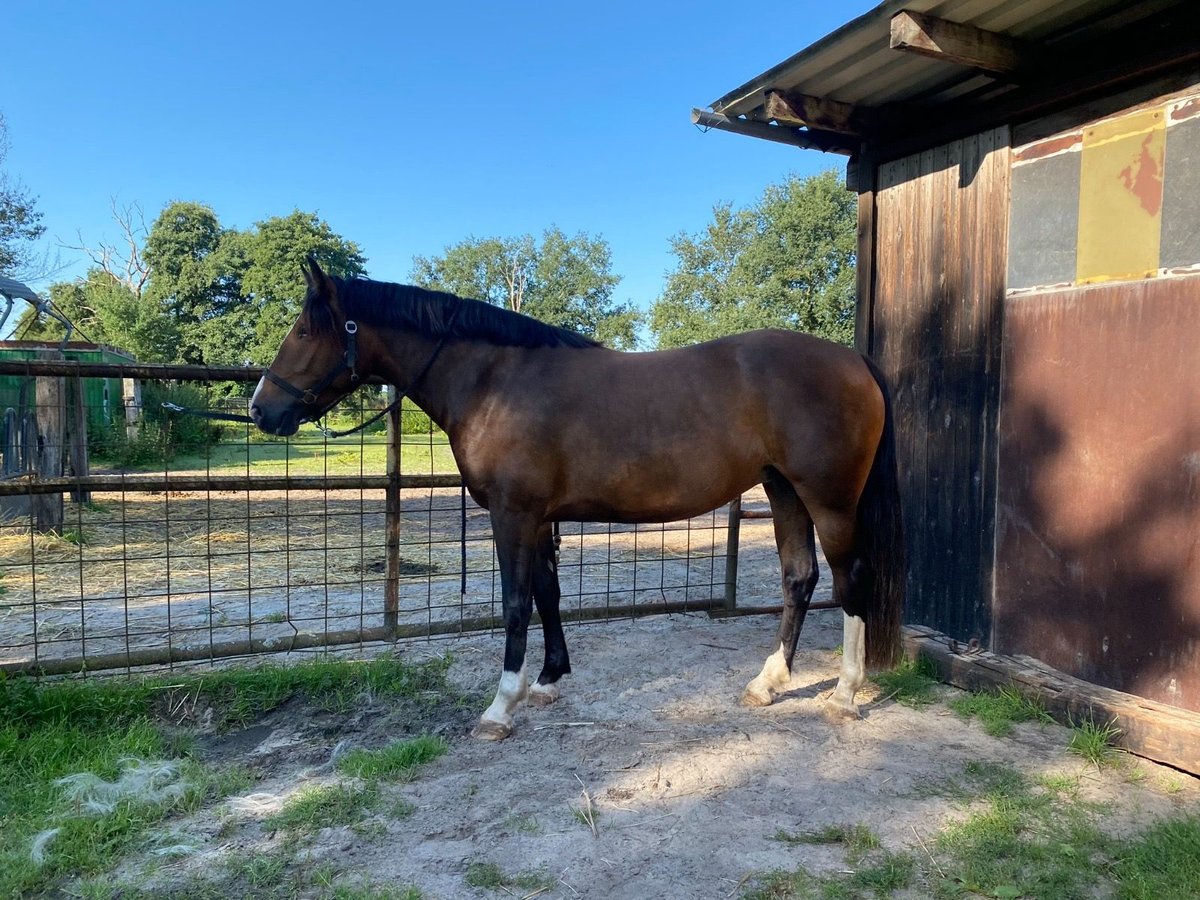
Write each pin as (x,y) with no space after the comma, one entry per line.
(1028,174)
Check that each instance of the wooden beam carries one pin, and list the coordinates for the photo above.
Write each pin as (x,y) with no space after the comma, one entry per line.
(957,43)
(790,108)
(781,134)
(1163,733)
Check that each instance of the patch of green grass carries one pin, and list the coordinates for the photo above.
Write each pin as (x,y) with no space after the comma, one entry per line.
(52,729)
(998,711)
(395,762)
(490,876)
(911,683)
(886,873)
(524,824)
(75,536)
(330,805)
(857,839)
(1162,863)
(1095,743)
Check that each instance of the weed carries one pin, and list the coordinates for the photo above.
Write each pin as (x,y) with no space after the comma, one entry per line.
(491,877)
(75,536)
(524,824)
(1095,743)
(999,710)
(395,762)
(911,683)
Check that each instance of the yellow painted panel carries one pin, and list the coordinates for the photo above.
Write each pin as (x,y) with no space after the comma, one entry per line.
(1120,197)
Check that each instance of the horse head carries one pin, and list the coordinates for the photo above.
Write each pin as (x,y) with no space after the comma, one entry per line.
(317,363)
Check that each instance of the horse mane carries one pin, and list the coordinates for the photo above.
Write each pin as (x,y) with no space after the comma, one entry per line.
(429,312)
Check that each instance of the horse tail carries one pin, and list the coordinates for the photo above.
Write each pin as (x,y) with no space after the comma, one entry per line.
(881,543)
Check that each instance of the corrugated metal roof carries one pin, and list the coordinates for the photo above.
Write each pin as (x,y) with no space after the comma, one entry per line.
(855,64)
(17,291)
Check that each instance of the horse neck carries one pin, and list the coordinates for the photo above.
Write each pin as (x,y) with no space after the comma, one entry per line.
(444,390)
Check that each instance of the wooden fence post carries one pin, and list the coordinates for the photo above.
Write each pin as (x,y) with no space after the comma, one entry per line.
(47,509)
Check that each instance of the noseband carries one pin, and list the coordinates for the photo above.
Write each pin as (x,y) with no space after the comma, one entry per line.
(309,396)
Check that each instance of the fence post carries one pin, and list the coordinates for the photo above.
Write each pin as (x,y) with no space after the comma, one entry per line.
(391,588)
(47,509)
(732,540)
(79,440)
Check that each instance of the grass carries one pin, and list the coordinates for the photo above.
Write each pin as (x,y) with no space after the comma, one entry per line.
(310,454)
(54,729)
(395,762)
(1095,743)
(325,806)
(1015,837)
(490,876)
(857,839)
(998,711)
(911,683)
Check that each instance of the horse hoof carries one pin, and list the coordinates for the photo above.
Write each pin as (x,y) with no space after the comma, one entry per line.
(838,712)
(542,694)
(756,696)
(487,730)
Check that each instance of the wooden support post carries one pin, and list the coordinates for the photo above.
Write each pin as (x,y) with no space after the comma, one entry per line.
(79,439)
(391,589)
(131,399)
(47,509)
(733,535)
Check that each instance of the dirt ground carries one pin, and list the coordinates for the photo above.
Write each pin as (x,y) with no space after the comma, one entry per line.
(688,787)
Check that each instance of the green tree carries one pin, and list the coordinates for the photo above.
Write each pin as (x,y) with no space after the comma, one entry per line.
(785,262)
(20,222)
(565,281)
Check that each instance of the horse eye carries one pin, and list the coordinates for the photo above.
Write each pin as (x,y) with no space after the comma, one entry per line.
(302,332)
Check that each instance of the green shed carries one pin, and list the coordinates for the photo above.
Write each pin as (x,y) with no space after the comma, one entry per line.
(102,396)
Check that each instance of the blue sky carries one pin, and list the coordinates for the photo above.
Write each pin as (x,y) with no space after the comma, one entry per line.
(406,127)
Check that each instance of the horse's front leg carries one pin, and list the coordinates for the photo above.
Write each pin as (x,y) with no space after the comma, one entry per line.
(515,537)
(546,594)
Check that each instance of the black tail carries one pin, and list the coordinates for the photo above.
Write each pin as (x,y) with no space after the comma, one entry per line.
(881,543)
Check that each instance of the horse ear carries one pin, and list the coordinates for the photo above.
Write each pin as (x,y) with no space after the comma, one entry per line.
(313,276)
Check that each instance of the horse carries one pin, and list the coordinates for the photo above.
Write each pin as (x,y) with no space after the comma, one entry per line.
(547,426)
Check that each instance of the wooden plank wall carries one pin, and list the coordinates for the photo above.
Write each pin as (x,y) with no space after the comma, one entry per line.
(941,219)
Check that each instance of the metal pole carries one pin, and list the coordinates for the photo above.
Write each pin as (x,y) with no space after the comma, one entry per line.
(733,536)
(391,588)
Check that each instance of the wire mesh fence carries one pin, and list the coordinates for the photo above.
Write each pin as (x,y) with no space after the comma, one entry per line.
(179,539)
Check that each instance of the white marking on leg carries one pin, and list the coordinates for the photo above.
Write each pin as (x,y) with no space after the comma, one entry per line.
(854,665)
(775,676)
(513,688)
(543,694)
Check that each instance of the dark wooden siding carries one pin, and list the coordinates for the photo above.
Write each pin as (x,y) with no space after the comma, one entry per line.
(1098,550)
(940,238)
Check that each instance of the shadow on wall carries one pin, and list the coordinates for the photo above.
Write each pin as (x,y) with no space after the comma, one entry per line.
(1098,514)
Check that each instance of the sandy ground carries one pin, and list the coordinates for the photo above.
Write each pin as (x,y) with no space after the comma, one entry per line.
(689,787)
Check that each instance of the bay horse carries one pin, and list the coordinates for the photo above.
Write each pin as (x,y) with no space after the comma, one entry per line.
(548,426)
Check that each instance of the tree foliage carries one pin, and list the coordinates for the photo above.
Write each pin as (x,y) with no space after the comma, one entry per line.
(565,281)
(785,262)
(20,221)
(212,294)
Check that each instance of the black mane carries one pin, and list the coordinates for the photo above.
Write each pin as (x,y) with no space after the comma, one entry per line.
(429,312)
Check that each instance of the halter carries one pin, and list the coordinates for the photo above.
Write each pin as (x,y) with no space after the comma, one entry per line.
(309,396)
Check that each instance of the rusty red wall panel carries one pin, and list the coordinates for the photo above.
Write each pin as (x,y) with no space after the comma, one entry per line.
(1098,500)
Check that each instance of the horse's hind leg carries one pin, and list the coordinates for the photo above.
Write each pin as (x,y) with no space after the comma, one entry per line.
(850,578)
(546,595)
(798,559)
